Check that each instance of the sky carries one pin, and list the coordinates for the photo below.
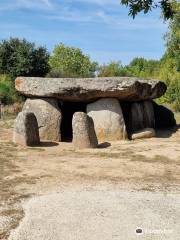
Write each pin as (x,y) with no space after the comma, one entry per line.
(101,28)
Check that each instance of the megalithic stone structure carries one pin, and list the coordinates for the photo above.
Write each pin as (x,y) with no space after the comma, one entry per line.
(100,98)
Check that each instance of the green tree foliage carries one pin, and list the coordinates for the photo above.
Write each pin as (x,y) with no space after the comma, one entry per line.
(112,69)
(170,63)
(173,40)
(8,93)
(22,58)
(137,6)
(70,62)
(140,67)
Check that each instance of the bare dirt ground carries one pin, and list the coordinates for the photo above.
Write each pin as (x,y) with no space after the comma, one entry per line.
(142,166)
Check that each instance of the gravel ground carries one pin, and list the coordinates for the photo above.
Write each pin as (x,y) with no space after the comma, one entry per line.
(100,213)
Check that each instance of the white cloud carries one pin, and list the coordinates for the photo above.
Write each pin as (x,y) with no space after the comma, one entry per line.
(102,3)
(26,4)
(66,10)
(115,21)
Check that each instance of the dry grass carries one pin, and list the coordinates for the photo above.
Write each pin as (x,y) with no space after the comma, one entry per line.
(9,180)
(9,111)
(177,117)
(151,165)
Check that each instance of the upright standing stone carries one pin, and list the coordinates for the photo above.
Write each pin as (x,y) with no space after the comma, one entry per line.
(108,119)
(142,116)
(84,135)
(149,118)
(26,129)
(48,116)
(136,116)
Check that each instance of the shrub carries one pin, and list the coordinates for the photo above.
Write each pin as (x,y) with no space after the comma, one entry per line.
(112,69)
(8,94)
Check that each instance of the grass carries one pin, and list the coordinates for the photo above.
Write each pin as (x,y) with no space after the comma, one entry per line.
(177,117)
(9,197)
(9,181)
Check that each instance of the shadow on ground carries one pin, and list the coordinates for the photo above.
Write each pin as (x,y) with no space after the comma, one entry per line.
(166,133)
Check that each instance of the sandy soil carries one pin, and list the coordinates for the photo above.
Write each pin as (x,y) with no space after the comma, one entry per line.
(143,169)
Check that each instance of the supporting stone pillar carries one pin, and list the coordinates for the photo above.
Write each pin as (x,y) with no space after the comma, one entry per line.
(26,130)
(48,116)
(136,117)
(108,119)
(84,135)
(142,115)
(149,117)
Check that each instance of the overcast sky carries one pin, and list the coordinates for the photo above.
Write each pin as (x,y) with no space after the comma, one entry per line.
(102,28)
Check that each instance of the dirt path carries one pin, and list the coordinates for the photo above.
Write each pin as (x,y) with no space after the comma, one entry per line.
(139,169)
(102,212)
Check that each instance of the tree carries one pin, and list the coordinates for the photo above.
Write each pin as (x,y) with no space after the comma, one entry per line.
(137,6)
(70,62)
(22,58)
(173,40)
(112,69)
(170,63)
(141,67)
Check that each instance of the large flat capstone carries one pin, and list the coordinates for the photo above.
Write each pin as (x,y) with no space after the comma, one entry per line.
(88,89)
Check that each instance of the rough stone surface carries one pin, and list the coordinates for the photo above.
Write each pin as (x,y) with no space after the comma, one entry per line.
(149,118)
(89,89)
(141,115)
(48,116)
(164,117)
(26,129)
(108,119)
(136,117)
(84,135)
(144,133)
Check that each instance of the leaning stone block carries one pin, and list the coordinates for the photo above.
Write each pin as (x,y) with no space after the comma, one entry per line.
(144,133)
(84,135)
(108,119)
(48,116)
(26,130)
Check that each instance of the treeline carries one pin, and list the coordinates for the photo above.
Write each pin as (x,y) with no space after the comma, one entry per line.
(22,58)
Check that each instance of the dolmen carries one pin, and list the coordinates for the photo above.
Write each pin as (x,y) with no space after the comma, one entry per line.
(89,111)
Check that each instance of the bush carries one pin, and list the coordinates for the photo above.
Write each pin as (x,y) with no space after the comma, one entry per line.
(112,69)
(55,73)
(143,68)
(169,74)
(8,94)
